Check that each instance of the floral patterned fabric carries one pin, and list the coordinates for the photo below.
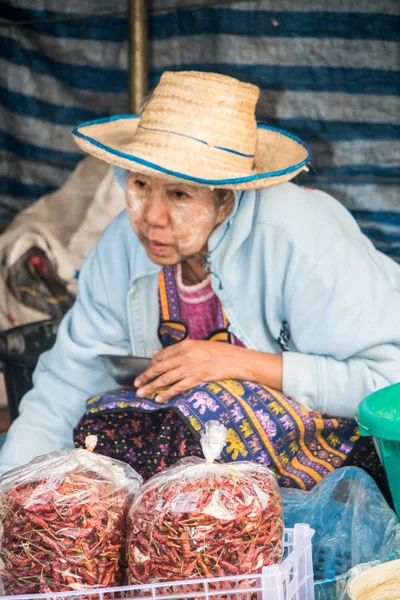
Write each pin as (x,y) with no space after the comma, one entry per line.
(263,424)
(149,442)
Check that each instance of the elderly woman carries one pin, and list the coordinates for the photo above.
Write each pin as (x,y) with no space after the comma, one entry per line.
(261,303)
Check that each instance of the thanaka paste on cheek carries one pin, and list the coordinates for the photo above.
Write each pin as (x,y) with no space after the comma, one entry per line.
(192,222)
(135,203)
(189,224)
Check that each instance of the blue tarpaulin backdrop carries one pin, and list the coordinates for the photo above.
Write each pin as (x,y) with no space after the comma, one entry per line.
(328,71)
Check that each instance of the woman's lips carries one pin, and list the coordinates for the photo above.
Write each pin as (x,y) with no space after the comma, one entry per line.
(156,247)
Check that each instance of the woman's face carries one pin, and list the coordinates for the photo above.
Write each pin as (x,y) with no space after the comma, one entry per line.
(173,220)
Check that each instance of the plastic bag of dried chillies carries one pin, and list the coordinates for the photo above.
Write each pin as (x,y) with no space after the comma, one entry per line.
(63,519)
(204,519)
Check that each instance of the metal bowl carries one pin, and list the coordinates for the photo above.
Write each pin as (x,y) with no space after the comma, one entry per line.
(125,369)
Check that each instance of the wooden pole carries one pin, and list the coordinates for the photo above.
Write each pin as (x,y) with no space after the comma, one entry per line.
(138,54)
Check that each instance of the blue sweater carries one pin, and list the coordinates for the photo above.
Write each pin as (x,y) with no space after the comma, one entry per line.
(295,274)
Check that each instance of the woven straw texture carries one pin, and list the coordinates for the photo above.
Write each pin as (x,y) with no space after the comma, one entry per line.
(199,127)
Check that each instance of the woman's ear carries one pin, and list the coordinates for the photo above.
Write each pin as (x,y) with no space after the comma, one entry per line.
(226,201)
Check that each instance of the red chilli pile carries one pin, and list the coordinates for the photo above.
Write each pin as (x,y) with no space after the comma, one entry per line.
(64,521)
(202,519)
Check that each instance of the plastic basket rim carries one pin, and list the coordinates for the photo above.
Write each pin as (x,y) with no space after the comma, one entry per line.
(304,528)
(26,360)
(30,360)
(33,324)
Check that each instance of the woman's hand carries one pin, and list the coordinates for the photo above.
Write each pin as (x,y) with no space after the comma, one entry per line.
(191,363)
(185,365)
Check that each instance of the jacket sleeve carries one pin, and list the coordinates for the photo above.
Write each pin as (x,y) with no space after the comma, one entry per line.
(344,319)
(72,370)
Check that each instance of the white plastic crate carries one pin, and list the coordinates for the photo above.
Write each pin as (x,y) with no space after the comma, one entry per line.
(291,579)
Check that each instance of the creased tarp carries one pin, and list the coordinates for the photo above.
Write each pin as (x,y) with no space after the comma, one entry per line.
(327,71)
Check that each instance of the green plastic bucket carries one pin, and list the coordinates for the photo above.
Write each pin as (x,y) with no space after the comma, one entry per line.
(378,416)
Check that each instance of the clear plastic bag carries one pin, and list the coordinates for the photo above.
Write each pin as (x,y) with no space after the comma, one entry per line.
(63,522)
(353,525)
(203,519)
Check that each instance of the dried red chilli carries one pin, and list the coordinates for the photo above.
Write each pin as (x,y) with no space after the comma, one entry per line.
(199,520)
(65,530)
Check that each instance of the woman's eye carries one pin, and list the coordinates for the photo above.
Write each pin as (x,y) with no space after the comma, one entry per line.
(179,195)
(140,183)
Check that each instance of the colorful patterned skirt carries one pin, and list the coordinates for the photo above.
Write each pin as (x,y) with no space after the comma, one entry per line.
(263,426)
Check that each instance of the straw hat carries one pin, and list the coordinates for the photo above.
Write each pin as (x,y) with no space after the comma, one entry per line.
(198,128)
(379,583)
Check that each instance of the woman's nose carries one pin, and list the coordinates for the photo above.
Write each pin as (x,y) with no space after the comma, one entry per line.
(157,210)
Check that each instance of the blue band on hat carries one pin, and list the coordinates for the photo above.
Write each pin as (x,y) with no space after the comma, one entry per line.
(190,137)
(210,182)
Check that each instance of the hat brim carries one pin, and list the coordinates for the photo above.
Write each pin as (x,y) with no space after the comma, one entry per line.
(280,155)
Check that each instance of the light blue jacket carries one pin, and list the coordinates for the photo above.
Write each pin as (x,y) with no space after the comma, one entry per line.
(294,273)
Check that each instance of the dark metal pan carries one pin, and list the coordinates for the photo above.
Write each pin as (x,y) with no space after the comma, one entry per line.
(125,369)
